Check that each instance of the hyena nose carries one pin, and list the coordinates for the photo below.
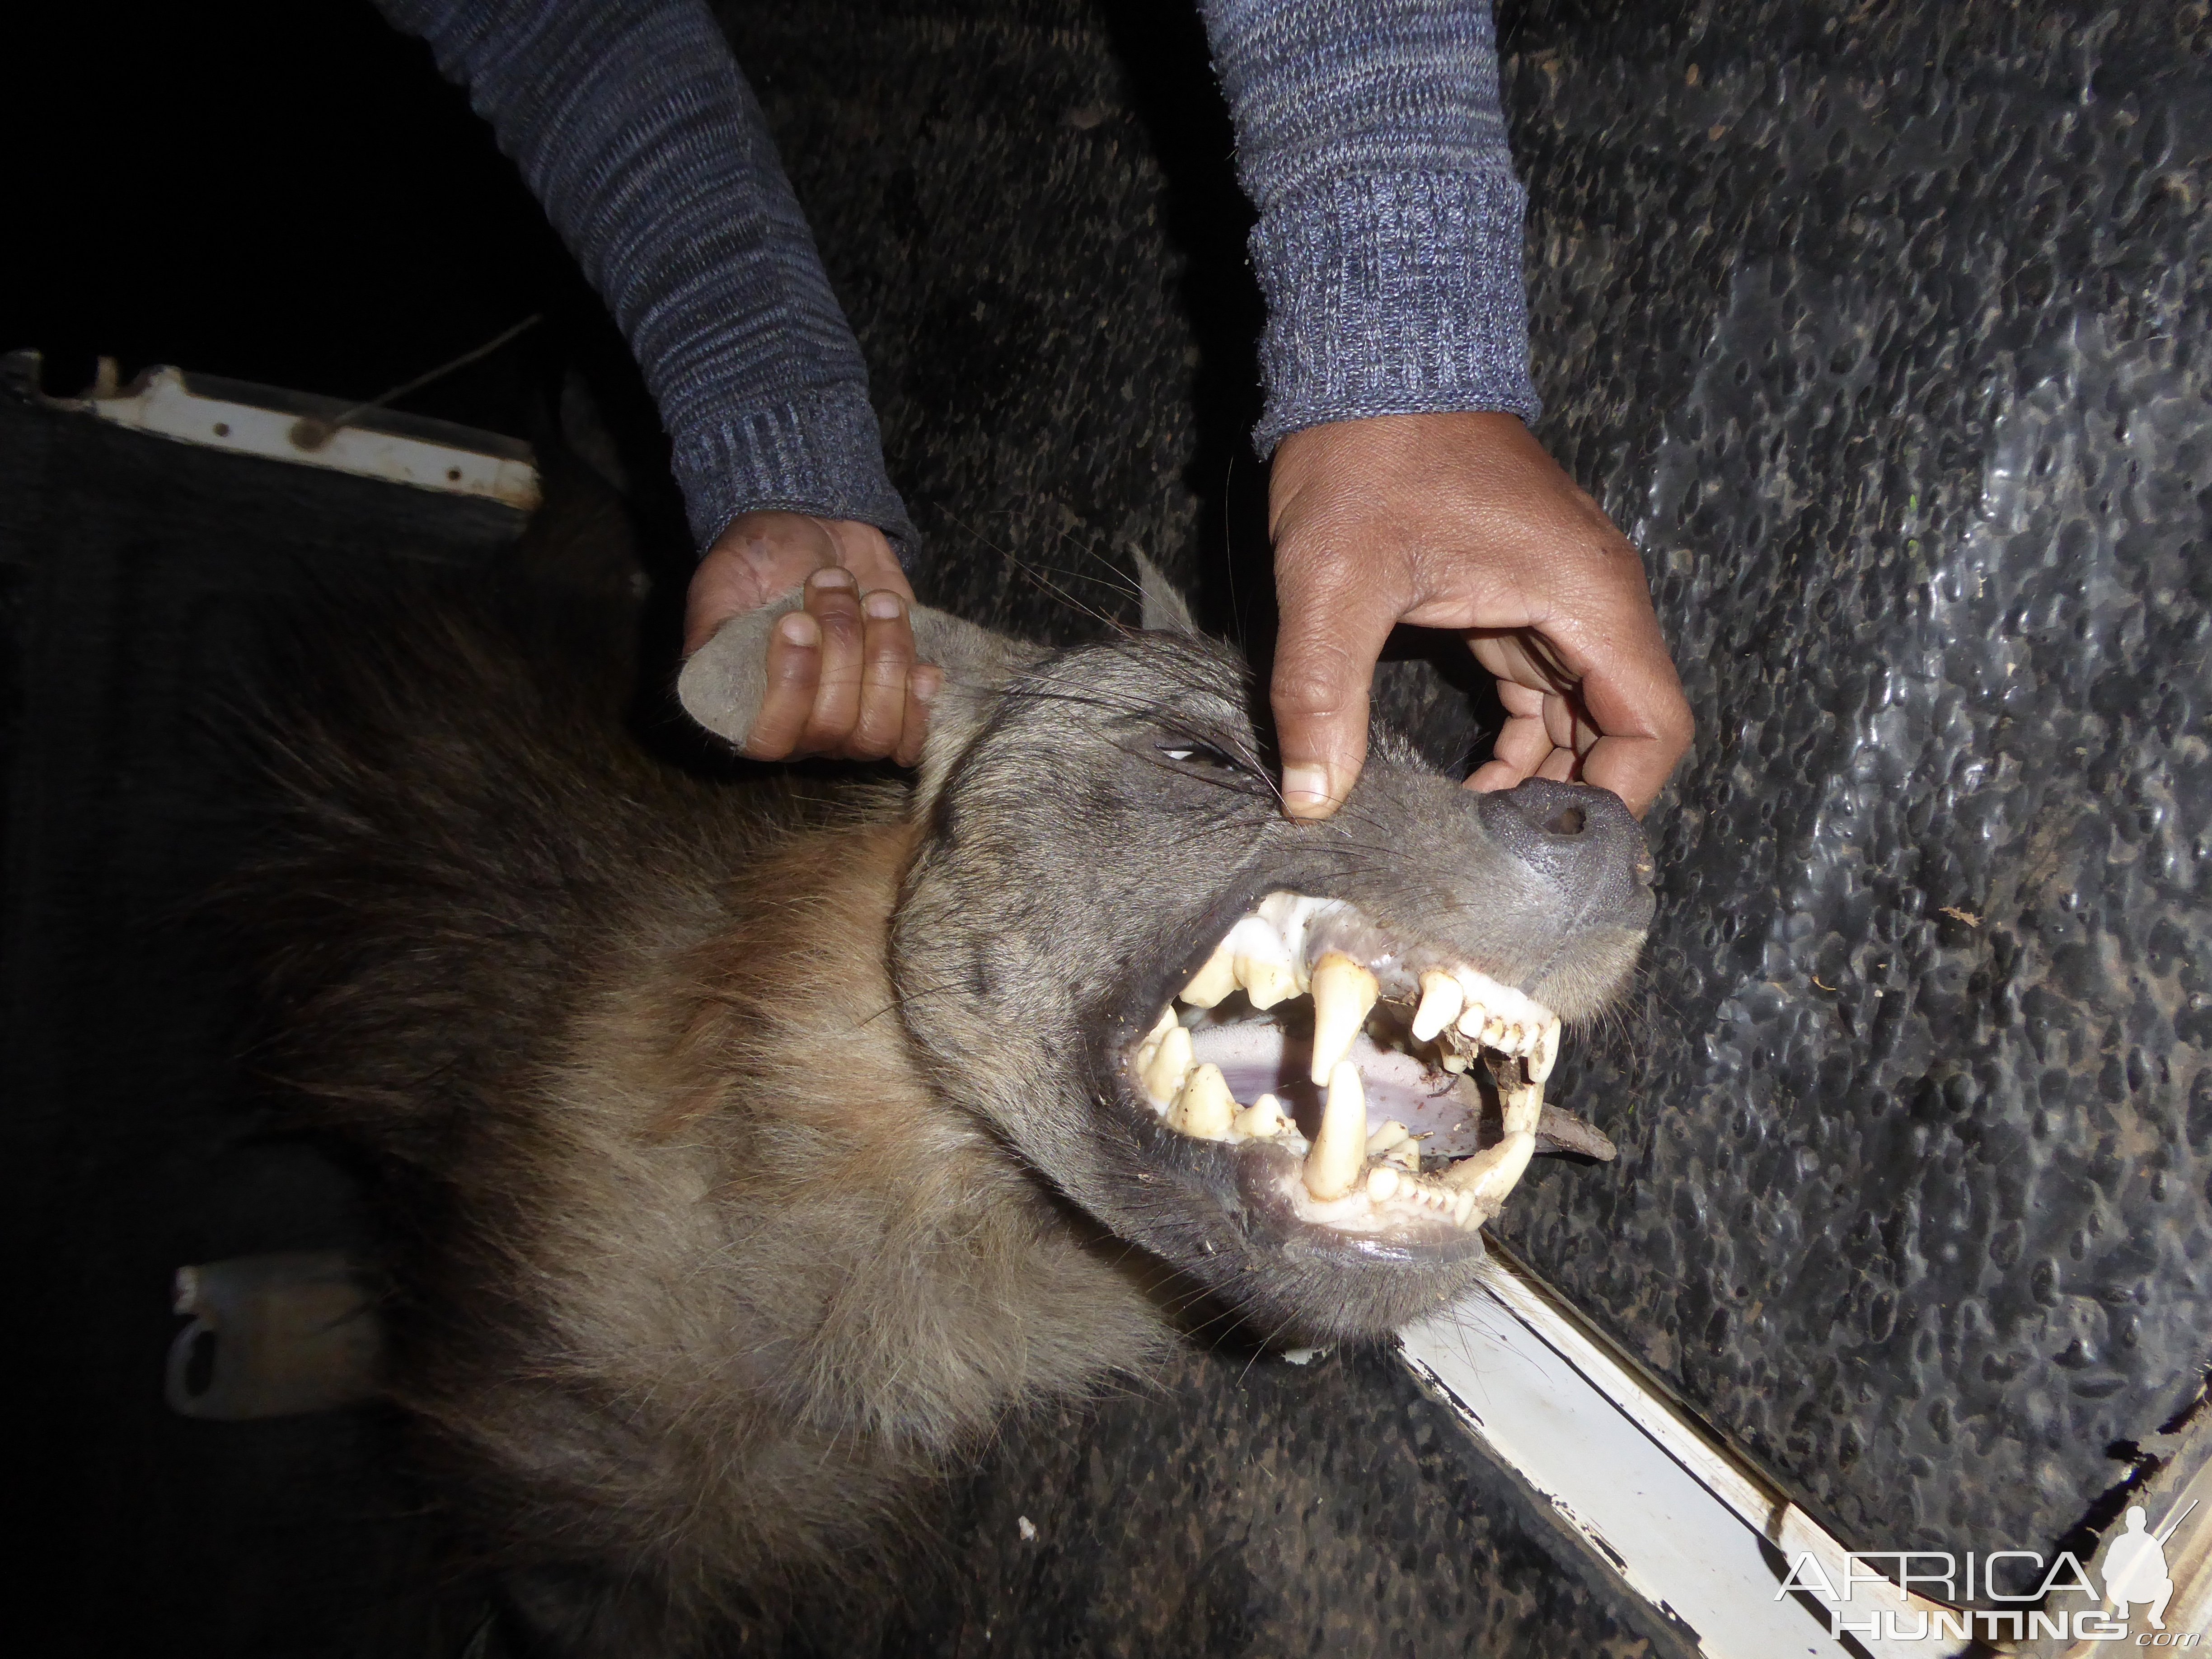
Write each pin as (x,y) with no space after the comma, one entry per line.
(1582,842)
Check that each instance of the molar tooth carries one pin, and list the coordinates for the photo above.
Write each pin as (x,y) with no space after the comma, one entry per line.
(1213,982)
(1343,992)
(1390,1135)
(1266,982)
(1546,1053)
(1340,1146)
(1205,1107)
(1151,1045)
(1441,999)
(1382,1182)
(1262,1119)
(1491,1173)
(1169,1065)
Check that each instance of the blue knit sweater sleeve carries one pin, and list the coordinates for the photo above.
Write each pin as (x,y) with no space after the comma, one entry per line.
(630,123)
(1370,136)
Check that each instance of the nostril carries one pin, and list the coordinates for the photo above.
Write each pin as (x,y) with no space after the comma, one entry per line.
(1579,840)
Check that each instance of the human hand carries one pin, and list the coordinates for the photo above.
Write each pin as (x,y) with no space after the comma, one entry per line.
(841,677)
(1461,521)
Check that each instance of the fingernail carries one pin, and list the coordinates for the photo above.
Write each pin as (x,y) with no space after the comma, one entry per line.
(1305,787)
(796,628)
(882,604)
(835,575)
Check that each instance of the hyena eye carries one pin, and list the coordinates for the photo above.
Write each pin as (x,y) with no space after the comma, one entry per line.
(1191,753)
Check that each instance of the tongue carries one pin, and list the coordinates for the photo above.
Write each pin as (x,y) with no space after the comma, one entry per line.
(1258,1057)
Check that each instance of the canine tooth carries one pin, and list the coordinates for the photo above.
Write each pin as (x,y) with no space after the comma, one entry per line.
(1213,982)
(1169,1065)
(1454,1063)
(1340,1146)
(1382,1182)
(1343,992)
(1441,999)
(1547,1054)
(1522,1108)
(1463,1207)
(1262,1119)
(1390,1135)
(1205,1107)
(1491,1173)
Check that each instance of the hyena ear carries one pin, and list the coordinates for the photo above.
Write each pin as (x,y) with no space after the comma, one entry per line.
(1165,610)
(722,685)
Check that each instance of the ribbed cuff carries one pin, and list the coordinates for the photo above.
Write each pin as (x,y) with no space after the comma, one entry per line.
(1392,294)
(818,453)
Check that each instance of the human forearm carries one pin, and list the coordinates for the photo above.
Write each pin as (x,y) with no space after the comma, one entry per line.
(1371,138)
(631,124)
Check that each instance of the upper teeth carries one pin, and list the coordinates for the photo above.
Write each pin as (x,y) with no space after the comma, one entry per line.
(1351,1177)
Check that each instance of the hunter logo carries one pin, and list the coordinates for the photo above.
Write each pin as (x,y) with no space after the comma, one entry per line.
(2135,1576)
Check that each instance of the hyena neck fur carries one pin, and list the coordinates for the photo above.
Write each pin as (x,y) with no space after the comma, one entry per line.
(833,1296)
(923,1279)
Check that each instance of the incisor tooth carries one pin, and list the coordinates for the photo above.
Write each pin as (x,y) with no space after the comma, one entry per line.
(1474,1019)
(1266,982)
(1340,1146)
(1343,992)
(1491,1173)
(1382,1182)
(1262,1119)
(1213,982)
(1205,1107)
(1441,999)
(1170,1063)
(1547,1054)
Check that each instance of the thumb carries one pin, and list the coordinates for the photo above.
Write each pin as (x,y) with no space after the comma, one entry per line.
(1331,632)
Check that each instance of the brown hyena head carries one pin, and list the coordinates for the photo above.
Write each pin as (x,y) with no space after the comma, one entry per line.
(1301,1062)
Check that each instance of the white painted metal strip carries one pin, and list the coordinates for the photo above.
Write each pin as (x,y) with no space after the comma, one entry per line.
(1679,1518)
(287,427)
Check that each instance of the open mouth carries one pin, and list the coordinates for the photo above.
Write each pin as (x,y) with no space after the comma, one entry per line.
(1347,1064)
